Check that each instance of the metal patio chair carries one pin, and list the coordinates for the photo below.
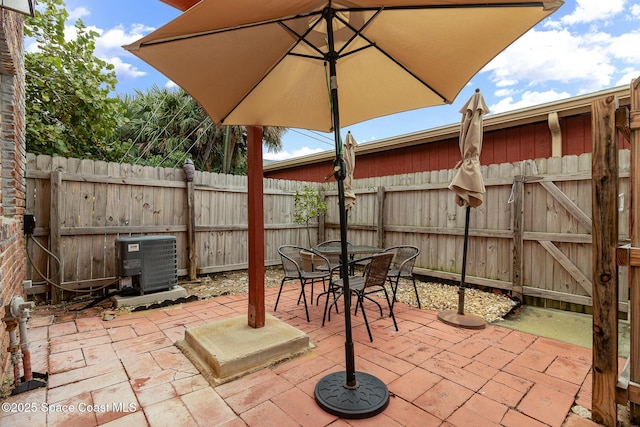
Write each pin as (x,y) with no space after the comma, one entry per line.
(373,281)
(404,258)
(304,265)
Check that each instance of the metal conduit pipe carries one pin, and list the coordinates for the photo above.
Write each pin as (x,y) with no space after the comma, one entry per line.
(14,348)
(17,314)
(22,310)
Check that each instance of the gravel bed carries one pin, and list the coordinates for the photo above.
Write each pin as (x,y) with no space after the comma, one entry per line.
(491,306)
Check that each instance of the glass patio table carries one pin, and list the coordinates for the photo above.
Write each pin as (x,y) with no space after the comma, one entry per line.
(352,250)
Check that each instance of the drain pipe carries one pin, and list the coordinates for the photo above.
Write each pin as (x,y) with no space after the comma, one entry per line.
(18,313)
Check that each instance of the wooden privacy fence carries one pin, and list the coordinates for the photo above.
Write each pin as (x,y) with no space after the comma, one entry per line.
(82,206)
(531,236)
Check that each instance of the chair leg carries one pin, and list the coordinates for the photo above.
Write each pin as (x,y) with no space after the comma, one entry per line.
(375,302)
(364,314)
(415,288)
(394,289)
(334,303)
(304,298)
(279,292)
(390,308)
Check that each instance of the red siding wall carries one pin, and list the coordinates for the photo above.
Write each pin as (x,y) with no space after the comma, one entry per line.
(509,145)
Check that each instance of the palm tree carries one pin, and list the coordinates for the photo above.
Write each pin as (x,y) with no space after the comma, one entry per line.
(167,124)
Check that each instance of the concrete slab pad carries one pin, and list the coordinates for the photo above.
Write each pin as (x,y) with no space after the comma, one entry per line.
(228,349)
(565,326)
(172,294)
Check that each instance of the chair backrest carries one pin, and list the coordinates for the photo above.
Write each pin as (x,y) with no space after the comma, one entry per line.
(404,258)
(291,259)
(297,260)
(376,271)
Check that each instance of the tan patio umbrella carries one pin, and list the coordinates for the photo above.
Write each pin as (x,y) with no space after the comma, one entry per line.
(469,188)
(349,154)
(280,62)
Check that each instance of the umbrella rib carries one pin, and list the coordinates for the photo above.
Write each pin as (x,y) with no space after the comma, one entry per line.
(223,30)
(357,32)
(302,38)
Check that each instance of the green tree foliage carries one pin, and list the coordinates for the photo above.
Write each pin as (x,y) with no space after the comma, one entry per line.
(307,205)
(68,107)
(71,109)
(161,127)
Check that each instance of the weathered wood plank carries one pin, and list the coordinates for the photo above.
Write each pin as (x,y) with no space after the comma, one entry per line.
(568,265)
(605,240)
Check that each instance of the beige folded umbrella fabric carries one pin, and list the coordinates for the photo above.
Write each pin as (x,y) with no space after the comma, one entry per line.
(468,183)
(349,155)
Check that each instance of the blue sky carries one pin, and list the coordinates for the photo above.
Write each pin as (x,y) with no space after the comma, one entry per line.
(586,46)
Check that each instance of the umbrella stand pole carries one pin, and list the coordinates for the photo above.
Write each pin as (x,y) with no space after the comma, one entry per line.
(346,394)
(464,262)
(349,353)
(458,318)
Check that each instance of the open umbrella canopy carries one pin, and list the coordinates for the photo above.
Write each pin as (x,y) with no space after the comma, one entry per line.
(280,63)
(256,62)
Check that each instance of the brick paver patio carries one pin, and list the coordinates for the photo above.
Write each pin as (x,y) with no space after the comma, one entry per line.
(127,372)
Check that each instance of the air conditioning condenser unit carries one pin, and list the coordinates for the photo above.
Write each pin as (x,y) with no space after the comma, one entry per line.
(147,263)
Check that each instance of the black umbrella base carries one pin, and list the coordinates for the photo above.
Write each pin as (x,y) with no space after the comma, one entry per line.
(369,398)
(468,321)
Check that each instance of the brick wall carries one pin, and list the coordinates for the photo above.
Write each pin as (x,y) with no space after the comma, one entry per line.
(12,165)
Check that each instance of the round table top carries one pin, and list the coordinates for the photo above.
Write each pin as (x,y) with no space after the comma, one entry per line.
(351,249)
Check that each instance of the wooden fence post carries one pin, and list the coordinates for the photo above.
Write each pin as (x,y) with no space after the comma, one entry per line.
(191,231)
(380,233)
(605,270)
(54,236)
(518,241)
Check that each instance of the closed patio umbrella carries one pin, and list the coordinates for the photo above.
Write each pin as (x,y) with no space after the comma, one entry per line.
(349,154)
(468,186)
(280,63)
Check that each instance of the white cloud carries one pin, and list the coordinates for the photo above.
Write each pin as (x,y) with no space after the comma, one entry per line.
(544,57)
(635,10)
(504,92)
(527,99)
(78,12)
(124,70)
(109,48)
(629,75)
(284,155)
(588,11)
(623,47)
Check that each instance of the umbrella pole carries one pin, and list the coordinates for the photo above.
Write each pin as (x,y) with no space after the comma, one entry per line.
(459,318)
(341,393)
(464,263)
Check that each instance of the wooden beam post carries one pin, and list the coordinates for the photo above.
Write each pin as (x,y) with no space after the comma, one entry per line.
(605,270)
(255,190)
(634,223)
